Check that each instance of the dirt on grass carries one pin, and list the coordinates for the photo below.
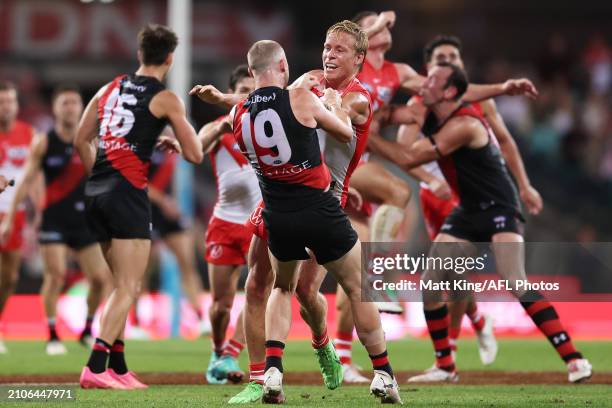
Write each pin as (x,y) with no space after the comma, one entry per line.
(314,378)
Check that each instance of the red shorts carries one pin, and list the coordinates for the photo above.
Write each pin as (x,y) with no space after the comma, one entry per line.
(255,223)
(15,241)
(435,210)
(227,243)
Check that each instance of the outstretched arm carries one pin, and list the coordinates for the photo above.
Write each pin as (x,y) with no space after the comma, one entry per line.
(385,19)
(213,96)
(512,156)
(211,133)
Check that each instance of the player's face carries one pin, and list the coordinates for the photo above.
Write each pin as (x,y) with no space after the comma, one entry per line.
(67,108)
(445,53)
(433,90)
(382,39)
(340,60)
(245,85)
(8,107)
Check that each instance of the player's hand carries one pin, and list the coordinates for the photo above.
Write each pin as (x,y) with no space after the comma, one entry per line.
(170,208)
(167,143)
(532,200)
(521,86)
(6,228)
(354,200)
(440,188)
(388,18)
(308,80)
(208,94)
(331,99)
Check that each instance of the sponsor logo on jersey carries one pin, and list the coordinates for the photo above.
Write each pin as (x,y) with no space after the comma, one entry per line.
(130,85)
(111,145)
(260,99)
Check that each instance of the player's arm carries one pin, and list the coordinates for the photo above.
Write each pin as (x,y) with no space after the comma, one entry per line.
(211,133)
(479,92)
(385,19)
(85,140)
(167,105)
(213,96)
(456,133)
(32,169)
(331,116)
(512,156)
(308,80)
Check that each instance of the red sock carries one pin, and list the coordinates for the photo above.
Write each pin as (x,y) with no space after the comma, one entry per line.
(453,335)
(437,324)
(545,317)
(380,362)
(233,348)
(344,347)
(320,341)
(256,372)
(476,318)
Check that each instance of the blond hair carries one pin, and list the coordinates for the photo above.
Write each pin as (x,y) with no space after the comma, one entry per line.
(351,28)
(263,54)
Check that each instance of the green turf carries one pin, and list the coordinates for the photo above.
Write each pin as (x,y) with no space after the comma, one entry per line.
(531,396)
(28,357)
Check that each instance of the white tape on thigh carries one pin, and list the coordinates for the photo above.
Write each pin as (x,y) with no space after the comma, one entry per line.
(386,223)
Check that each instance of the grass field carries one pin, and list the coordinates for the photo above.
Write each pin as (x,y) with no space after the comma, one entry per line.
(192,356)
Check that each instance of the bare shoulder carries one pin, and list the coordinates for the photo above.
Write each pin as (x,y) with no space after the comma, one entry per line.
(303,96)
(404,71)
(165,102)
(488,107)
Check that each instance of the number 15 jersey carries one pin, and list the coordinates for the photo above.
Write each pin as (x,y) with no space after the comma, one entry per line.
(127,135)
(284,153)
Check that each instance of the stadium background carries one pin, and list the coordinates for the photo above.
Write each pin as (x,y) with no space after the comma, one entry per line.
(565,135)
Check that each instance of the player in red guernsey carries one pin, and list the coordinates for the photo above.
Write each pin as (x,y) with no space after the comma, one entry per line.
(462,142)
(127,115)
(227,237)
(63,220)
(15,141)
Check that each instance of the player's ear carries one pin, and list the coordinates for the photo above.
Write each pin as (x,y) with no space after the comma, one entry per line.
(251,72)
(360,58)
(450,93)
(169,59)
(139,55)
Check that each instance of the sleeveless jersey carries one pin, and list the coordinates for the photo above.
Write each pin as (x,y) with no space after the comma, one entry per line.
(284,153)
(64,175)
(128,132)
(478,176)
(14,151)
(161,170)
(343,158)
(382,84)
(237,187)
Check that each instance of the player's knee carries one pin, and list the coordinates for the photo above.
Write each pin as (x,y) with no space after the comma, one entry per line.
(401,194)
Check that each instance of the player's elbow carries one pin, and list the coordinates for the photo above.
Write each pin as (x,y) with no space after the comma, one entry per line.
(195,155)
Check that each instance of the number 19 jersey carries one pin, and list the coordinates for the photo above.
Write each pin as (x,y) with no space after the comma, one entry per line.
(284,153)
(128,132)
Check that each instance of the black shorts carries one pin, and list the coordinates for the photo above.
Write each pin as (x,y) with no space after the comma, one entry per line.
(124,214)
(323,228)
(164,226)
(66,223)
(480,226)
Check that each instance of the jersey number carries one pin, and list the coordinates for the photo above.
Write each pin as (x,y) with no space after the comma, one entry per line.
(269,133)
(117,121)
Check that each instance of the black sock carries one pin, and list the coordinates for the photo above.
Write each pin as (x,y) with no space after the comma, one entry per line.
(274,354)
(380,362)
(99,354)
(117,358)
(52,332)
(88,323)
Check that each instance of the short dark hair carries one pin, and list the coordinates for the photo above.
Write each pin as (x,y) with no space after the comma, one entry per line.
(240,72)
(458,78)
(155,42)
(64,87)
(7,86)
(361,15)
(439,40)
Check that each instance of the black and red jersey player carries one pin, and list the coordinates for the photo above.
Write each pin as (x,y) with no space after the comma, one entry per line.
(119,130)
(489,211)
(276,129)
